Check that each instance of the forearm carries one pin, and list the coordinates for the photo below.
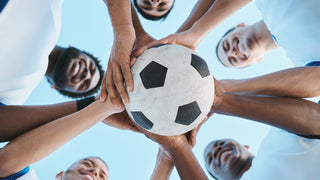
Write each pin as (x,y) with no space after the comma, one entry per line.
(140,32)
(218,12)
(120,14)
(197,12)
(300,82)
(16,120)
(291,114)
(163,167)
(42,141)
(186,163)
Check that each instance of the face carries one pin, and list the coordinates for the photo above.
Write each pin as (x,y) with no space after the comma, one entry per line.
(75,72)
(155,8)
(87,169)
(240,48)
(227,159)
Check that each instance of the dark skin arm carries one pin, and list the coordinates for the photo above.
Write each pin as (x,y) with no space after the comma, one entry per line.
(300,82)
(16,120)
(292,114)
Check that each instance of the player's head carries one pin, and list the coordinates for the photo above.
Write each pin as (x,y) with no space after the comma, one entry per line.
(240,47)
(92,168)
(74,73)
(226,159)
(154,9)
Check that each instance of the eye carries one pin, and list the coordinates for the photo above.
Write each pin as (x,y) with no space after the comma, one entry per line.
(146,2)
(226,45)
(162,4)
(232,60)
(87,164)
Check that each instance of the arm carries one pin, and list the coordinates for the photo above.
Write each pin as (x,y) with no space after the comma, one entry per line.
(16,120)
(185,161)
(142,37)
(181,154)
(197,12)
(302,82)
(218,12)
(163,167)
(292,114)
(199,23)
(38,143)
(124,37)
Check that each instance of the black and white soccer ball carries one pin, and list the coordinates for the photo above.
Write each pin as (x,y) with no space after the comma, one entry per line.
(173,90)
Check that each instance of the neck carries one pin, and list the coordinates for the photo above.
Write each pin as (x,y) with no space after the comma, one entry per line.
(264,36)
(53,57)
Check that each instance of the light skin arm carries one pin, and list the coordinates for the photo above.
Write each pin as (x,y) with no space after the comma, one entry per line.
(181,154)
(163,167)
(292,114)
(38,143)
(218,12)
(197,12)
(302,82)
(119,61)
(201,26)
(186,163)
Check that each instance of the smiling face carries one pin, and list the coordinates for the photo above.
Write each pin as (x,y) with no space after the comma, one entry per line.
(76,72)
(154,9)
(240,48)
(226,159)
(90,168)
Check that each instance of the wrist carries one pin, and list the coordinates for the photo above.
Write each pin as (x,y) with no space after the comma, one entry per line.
(177,145)
(120,30)
(82,103)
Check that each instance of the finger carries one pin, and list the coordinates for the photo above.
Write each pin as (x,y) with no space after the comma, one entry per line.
(111,88)
(192,136)
(118,81)
(139,51)
(103,93)
(126,71)
(133,61)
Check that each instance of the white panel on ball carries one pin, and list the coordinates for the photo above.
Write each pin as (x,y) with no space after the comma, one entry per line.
(173,90)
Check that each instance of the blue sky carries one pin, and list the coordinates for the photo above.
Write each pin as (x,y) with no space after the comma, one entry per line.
(86,25)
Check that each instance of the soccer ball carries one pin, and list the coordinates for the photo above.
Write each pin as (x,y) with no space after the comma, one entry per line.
(173,90)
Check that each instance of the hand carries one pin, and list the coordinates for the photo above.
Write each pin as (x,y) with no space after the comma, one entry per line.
(140,43)
(186,38)
(119,69)
(192,135)
(218,94)
(121,121)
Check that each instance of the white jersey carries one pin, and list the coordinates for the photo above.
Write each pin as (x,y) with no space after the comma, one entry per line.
(30,175)
(285,156)
(296,26)
(29,31)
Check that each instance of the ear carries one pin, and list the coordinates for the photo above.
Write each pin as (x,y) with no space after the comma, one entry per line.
(53,86)
(241,24)
(248,147)
(59,175)
(259,60)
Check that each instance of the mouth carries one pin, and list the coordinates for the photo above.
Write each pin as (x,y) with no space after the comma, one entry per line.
(240,49)
(77,70)
(223,155)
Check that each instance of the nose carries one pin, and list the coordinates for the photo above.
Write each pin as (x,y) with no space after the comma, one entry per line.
(86,74)
(95,172)
(154,2)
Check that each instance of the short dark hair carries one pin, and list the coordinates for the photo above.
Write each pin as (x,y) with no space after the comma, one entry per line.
(150,17)
(226,33)
(93,90)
